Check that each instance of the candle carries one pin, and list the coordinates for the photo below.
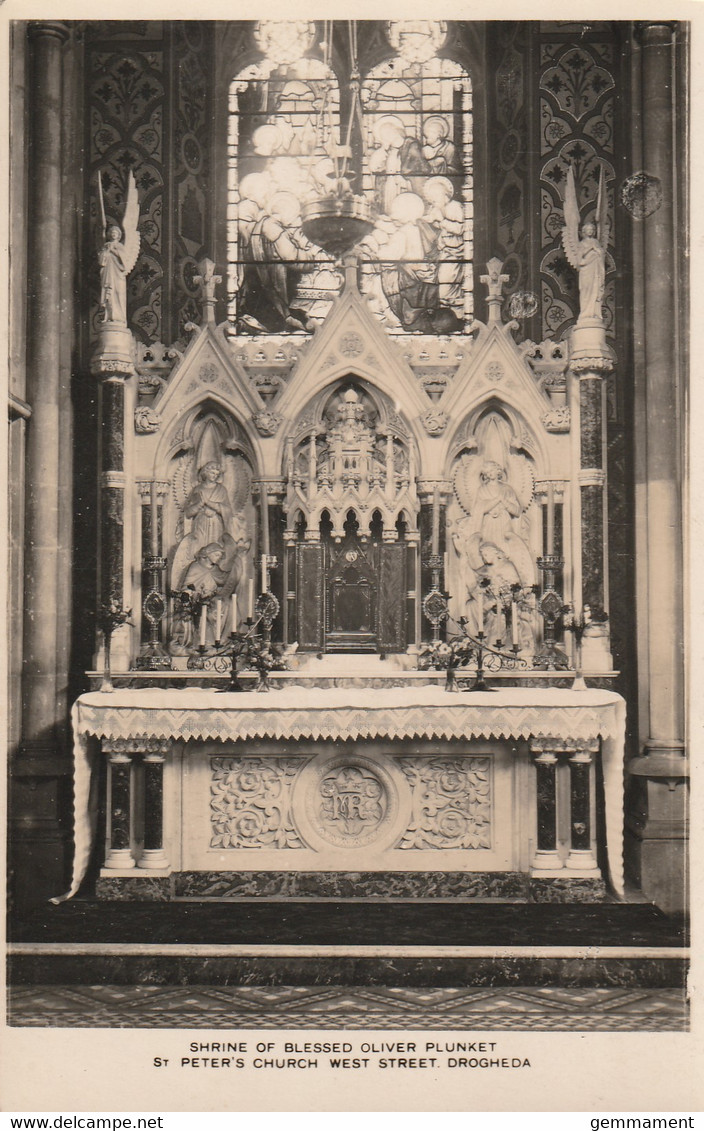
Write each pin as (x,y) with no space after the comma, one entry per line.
(551,519)
(436,521)
(154,523)
(446,565)
(250,602)
(514,622)
(235,619)
(264,510)
(265,585)
(203,623)
(218,618)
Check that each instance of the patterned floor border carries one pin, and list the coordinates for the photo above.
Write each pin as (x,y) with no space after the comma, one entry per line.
(533,1009)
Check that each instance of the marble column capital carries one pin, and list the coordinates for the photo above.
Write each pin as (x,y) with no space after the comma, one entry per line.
(144,487)
(426,487)
(273,486)
(48,29)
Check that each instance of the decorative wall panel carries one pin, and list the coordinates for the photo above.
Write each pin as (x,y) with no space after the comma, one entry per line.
(577,88)
(192,187)
(510,127)
(126,93)
(149,110)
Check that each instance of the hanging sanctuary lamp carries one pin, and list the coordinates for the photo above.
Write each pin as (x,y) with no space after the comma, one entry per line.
(338,220)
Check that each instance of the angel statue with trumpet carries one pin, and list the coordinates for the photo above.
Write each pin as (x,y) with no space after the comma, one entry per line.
(588,254)
(118,255)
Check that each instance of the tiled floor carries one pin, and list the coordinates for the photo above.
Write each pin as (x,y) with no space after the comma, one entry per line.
(339,1007)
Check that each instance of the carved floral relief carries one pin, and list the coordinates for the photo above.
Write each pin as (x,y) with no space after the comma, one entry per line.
(451,803)
(250,803)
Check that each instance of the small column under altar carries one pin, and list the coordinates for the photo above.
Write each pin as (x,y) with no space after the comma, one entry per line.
(119,854)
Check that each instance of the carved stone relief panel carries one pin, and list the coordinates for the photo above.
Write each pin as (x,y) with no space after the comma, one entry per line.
(452,803)
(494,525)
(209,526)
(250,803)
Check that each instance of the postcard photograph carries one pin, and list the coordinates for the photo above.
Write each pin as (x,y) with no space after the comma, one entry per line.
(347,554)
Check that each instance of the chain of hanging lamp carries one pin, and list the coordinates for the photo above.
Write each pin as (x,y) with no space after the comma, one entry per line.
(338,221)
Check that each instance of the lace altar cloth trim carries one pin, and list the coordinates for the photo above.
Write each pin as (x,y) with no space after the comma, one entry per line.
(341,713)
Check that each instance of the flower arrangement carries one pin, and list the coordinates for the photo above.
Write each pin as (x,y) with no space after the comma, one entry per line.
(189,603)
(579,625)
(445,655)
(448,656)
(259,653)
(112,615)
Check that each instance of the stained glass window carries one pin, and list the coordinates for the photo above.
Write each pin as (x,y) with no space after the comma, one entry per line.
(284,118)
(417,264)
(411,157)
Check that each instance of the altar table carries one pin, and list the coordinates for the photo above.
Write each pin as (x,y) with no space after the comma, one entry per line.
(553,717)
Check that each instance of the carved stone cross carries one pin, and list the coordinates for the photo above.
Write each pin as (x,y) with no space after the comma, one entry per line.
(207,280)
(494,281)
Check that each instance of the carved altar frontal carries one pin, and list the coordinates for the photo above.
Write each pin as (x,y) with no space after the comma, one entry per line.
(350,806)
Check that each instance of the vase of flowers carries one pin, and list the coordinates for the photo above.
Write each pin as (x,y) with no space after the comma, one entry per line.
(591,624)
(447,656)
(112,616)
(265,658)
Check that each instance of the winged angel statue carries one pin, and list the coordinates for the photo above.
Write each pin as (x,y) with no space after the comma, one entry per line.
(588,254)
(118,256)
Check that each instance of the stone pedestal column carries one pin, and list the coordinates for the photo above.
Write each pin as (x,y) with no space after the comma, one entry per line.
(113,361)
(581,857)
(590,361)
(657,817)
(40,785)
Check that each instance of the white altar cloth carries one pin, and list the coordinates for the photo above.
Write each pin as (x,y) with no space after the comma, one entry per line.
(351,713)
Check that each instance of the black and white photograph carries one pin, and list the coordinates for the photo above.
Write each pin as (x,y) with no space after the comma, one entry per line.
(348,558)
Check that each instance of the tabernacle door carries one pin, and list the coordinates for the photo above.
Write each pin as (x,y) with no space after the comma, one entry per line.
(352,593)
